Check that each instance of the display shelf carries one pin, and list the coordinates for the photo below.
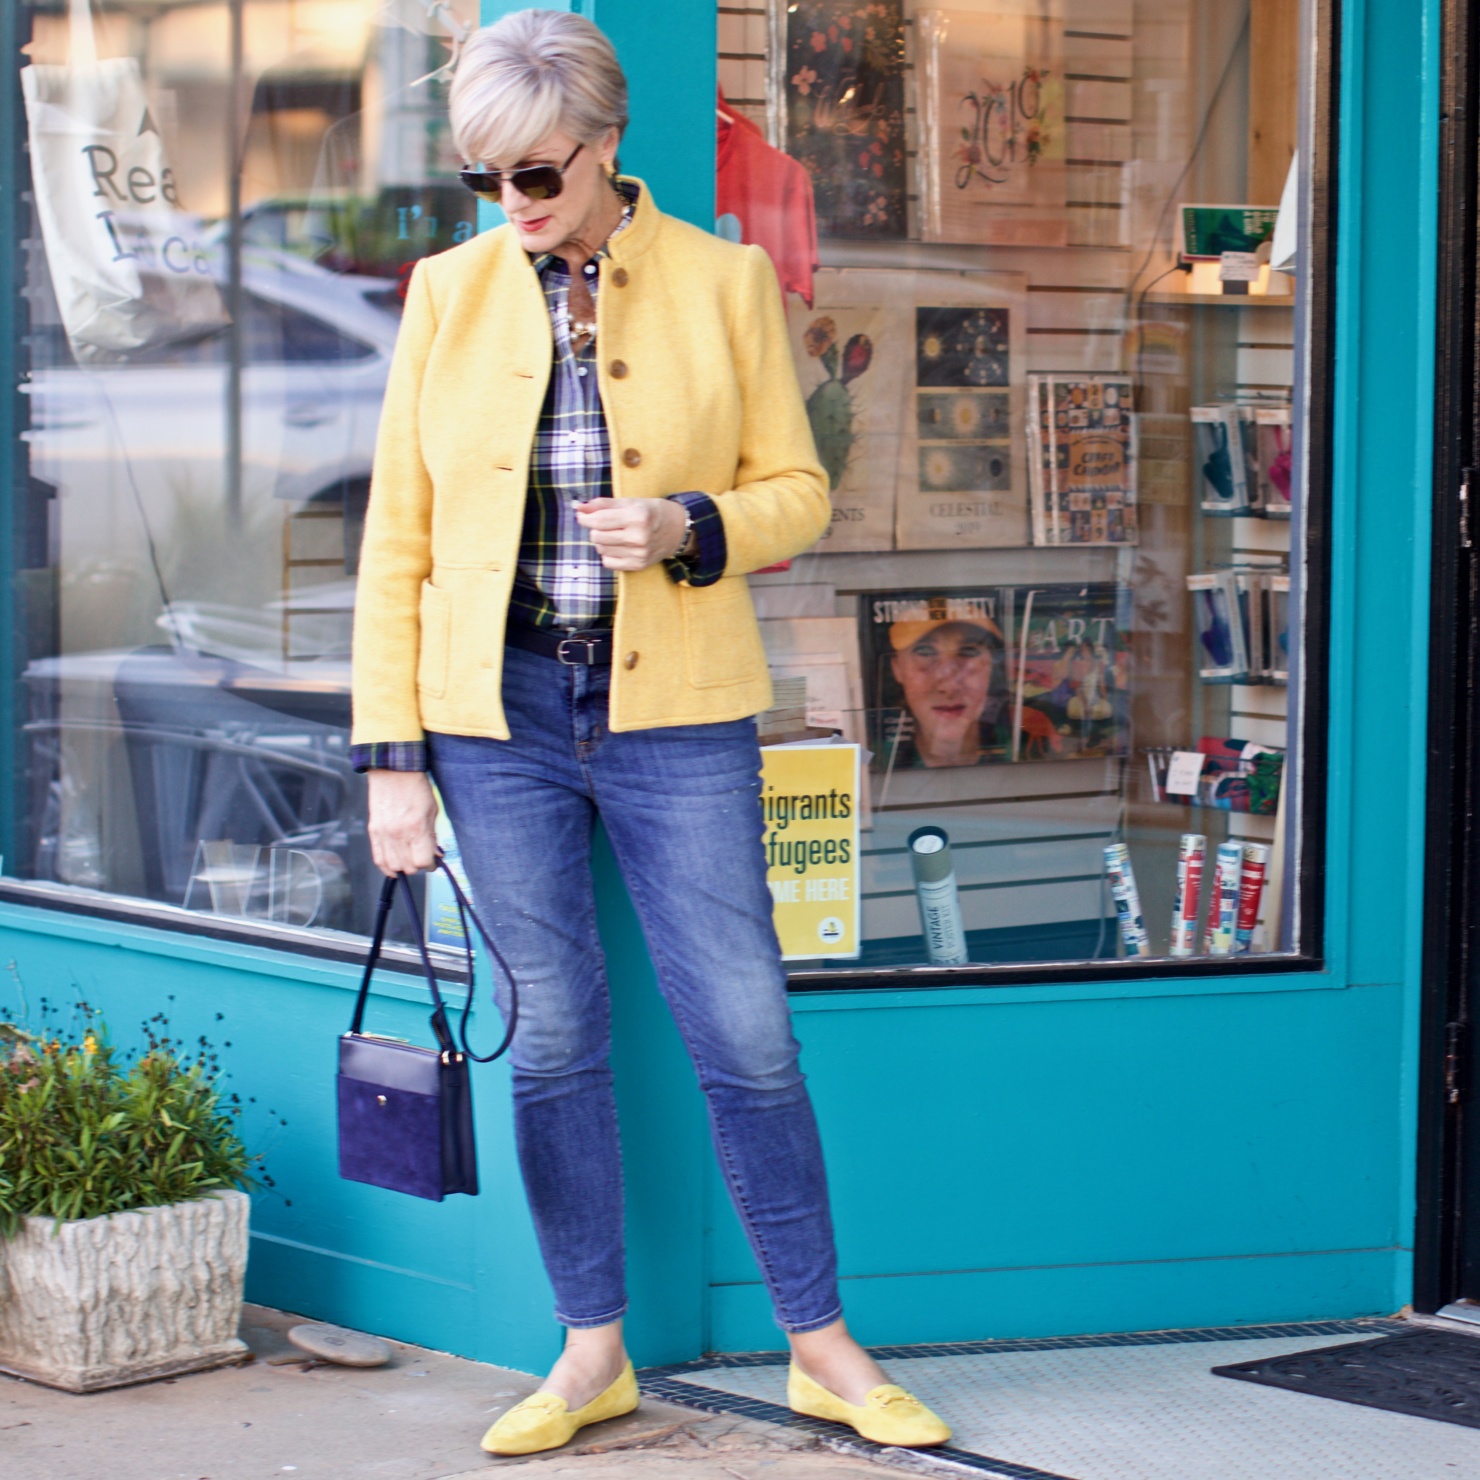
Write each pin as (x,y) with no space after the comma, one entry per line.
(1225,300)
(1204,807)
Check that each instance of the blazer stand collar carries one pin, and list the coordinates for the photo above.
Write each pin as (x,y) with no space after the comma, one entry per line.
(627,245)
(624,246)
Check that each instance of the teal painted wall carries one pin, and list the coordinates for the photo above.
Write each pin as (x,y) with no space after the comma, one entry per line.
(1040,1162)
(1010,1161)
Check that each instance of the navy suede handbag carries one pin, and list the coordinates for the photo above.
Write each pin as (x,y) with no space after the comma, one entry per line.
(406,1113)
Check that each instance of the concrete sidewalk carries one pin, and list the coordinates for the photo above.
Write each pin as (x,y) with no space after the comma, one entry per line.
(1135,1406)
(420,1418)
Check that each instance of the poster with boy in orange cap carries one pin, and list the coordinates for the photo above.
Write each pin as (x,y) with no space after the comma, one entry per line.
(937,674)
(1002,674)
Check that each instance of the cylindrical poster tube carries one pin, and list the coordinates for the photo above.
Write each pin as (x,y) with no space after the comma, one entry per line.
(1250,896)
(1127,900)
(935,889)
(1223,905)
(1191,857)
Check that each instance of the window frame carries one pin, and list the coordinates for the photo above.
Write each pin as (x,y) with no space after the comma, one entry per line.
(1315,333)
(1309,687)
(315,942)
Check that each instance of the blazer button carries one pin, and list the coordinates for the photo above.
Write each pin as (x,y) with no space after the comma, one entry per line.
(630,661)
(618,369)
(632,457)
(619,277)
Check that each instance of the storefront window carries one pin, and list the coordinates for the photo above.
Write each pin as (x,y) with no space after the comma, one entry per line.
(222,204)
(1041,271)
(1034,690)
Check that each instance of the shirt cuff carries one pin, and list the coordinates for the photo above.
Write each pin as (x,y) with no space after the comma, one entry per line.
(390,755)
(707,564)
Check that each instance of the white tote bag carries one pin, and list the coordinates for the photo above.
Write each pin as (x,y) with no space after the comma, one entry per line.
(130,268)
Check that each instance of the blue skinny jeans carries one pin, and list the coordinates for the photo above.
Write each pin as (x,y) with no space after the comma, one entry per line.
(681,807)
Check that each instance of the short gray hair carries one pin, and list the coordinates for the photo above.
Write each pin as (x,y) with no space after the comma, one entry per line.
(526,76)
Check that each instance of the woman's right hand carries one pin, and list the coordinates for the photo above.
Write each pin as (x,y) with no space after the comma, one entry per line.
(403,821)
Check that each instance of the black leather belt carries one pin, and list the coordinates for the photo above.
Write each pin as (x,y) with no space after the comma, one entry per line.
(574,649)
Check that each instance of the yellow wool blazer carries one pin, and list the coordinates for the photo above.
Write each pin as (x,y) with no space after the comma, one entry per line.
(700,393)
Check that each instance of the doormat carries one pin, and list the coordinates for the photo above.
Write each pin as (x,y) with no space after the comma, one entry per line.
(1429,1374)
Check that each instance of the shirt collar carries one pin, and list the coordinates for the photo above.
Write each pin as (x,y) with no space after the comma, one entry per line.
(629,191)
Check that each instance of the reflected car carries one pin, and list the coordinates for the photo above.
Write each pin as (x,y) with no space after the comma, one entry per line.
(158,503)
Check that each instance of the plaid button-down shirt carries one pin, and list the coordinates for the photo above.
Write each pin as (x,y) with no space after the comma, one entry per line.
(560,581)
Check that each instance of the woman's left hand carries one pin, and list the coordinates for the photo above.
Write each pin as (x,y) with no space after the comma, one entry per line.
(633,533)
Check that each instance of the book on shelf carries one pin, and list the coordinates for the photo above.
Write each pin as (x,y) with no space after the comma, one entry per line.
(1208,231)
(1071,670)
(1242,455)
(788,712)
(987,675)
(1242,622)
(1218,453)
(1236,776)
(1248,443)
(1253,595)
(992,137)
(1082,457)
(1279,627)
(822,652)
(1217,617)
(913,385)
(1272,459)
(1240,776)
(935,677)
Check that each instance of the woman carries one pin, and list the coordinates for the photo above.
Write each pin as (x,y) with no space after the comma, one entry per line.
(592,431)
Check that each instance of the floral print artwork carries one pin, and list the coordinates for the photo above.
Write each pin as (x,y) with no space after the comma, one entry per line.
(994,128)
(844,111)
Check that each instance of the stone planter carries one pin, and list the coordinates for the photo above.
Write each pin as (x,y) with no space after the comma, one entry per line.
(107,1301)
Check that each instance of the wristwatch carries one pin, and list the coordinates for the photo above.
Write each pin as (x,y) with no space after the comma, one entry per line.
(688,547)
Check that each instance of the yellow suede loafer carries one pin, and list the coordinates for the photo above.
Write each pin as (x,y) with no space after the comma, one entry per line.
(543,1421)
(887,1415)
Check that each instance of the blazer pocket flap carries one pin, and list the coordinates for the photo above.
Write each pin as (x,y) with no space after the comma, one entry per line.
(721,640)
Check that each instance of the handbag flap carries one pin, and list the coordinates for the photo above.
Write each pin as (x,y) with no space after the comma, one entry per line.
(394,1065)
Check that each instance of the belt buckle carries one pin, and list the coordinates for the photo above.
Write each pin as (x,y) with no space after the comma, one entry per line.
(589,643)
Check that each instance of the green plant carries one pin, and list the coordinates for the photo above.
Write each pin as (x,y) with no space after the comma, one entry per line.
(85,1131)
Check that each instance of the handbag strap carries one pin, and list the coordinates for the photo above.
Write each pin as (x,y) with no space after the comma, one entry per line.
(441,1029)
(377,939)
(465,911)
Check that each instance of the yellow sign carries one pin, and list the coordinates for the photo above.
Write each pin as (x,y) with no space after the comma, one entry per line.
(810,797)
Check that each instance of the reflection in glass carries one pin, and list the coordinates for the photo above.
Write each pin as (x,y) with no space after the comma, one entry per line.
(1063,448)
(199,446)
(1064,567)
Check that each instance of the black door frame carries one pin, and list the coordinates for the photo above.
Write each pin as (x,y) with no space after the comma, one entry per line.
(1447,1232)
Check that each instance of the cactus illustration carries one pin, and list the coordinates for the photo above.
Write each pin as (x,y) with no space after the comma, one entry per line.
(830,406)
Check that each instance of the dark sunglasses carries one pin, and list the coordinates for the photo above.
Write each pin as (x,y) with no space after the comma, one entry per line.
(537,181)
